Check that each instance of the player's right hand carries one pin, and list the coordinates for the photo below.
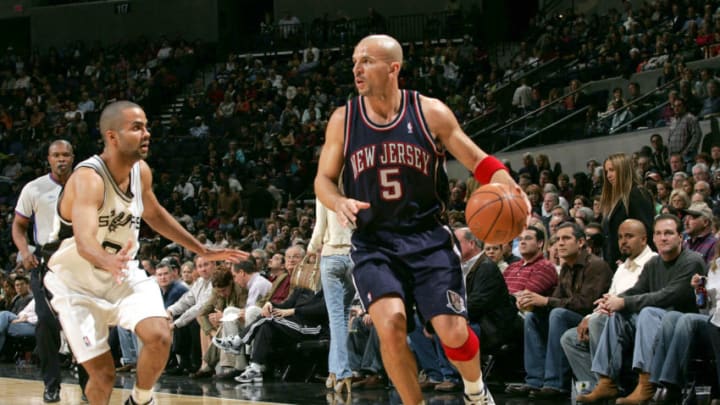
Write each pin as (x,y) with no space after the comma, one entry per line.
(232,255)
(346,210)
(119,262)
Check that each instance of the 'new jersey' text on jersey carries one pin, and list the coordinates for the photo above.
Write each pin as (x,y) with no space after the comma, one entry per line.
(398,168)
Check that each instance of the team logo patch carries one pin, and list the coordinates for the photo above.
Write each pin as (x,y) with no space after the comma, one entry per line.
(86,340)
(455,302)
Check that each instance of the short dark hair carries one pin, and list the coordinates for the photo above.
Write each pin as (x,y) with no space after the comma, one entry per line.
(21,278)
(221,278)
(248,266)
(678,223)
(577,230)
(539,233)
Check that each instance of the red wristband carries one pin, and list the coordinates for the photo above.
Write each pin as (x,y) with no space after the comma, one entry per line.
(486,168)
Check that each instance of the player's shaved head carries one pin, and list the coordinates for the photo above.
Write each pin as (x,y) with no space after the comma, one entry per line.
(111,117)
(388,47)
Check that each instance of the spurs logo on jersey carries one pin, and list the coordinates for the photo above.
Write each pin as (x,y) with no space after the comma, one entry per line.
(119,220)
(122,219)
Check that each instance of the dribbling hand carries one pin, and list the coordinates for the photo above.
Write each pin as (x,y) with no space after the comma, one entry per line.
(346,210)
(502,176)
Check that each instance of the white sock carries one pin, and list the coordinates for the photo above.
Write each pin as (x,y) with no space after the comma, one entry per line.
(141,396)
(257,367)
(474,387)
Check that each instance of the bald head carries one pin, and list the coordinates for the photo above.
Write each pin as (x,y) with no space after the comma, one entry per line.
(632,238)
(111,117)
(387,47)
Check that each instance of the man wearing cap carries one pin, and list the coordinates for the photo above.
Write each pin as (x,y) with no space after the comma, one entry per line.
(698,223)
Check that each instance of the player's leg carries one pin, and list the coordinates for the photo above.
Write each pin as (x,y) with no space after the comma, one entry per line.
(101,370)
(156,337)
(464,346)
(390,320)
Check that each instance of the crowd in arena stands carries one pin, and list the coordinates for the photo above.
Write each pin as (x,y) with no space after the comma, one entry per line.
(248,143)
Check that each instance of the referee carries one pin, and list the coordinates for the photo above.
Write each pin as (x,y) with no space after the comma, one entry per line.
(37,205)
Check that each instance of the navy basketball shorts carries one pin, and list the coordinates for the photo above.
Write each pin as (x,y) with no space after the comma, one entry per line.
(422,268)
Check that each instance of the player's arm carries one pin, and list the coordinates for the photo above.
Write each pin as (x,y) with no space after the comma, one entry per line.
(83,196)
(161,221)
(20,227)
(329,167)
(445,127)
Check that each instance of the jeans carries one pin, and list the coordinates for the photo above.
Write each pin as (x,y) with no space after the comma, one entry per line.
(6,317)
(129,345)
(338,290)
(673,346)
(618,335)
(580,354)
(431,356)
(364,348)
(545,362)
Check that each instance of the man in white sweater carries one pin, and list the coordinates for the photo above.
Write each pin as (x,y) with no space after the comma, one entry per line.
(182,314)
(335,275)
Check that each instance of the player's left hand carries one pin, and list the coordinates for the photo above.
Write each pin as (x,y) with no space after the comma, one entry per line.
(232,255)
(504,177)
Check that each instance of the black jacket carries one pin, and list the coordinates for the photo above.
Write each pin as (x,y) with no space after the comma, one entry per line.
(489,303)
(641,208)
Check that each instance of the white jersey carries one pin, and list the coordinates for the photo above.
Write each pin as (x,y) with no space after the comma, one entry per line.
(119,220)
(38,201)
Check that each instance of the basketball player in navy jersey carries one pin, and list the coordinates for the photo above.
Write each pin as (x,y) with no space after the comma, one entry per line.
(389,146)
(94,280)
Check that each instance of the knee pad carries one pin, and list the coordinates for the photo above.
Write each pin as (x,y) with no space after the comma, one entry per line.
(466,351)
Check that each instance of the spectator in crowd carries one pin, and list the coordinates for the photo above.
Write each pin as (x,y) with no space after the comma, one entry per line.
(622,198)
(580,344)
(684,134)
(698,227)
(545,363)
(533,272)
(637,313)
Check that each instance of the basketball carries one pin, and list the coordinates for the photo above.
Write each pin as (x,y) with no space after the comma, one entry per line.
(496,213)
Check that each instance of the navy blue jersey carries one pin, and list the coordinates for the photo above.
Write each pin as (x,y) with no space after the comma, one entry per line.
(398,168)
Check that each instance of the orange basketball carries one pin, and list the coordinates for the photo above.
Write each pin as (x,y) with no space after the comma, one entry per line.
(496,213)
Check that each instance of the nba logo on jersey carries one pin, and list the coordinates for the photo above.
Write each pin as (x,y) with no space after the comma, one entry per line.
(86,340)
(410,128)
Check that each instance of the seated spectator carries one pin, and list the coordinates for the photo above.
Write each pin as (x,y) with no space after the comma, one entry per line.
(302,316)
(495,254)
(579,344)
(226,294)
(187,340)
(681,335)
(364,352)
(711,104)
(698,228)
(22,297)
(550,316)
(534,272)
(18,325)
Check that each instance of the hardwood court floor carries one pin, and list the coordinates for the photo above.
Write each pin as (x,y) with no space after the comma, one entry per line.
(23,385)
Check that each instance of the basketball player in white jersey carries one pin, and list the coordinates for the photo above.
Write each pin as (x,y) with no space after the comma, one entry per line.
(94,280)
